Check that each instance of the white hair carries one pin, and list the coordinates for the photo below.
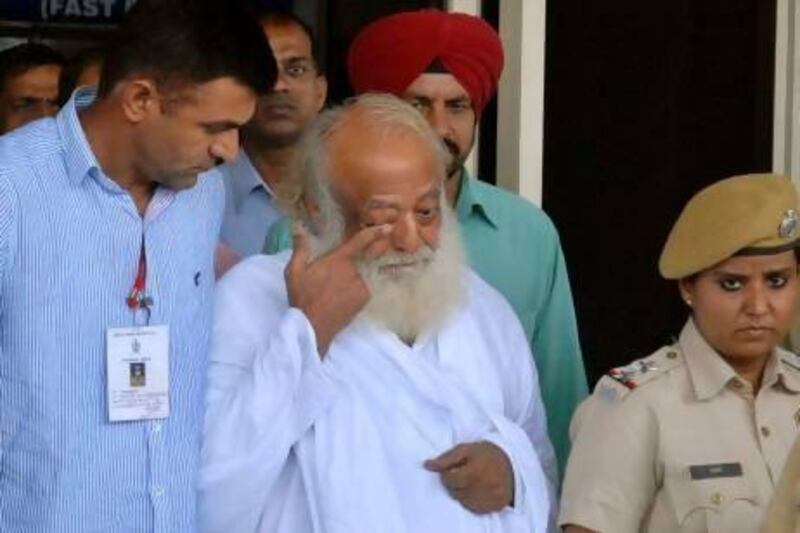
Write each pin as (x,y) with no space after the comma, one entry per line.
(409,292)
(386,114)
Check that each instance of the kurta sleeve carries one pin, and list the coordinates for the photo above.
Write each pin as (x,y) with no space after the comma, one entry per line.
(610,480)
(526,409)
(266,386)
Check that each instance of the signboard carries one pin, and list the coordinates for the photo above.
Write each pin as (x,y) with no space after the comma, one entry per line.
(65,11)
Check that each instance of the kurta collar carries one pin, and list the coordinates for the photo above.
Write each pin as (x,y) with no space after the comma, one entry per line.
(471,200)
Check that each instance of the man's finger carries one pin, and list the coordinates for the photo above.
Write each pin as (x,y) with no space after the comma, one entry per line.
(301,249)
(361,240)
(457,478)
(456,456)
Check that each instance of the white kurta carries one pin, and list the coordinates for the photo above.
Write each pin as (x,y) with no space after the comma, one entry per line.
(296,444)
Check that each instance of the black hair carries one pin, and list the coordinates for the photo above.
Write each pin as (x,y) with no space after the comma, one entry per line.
(285,17)
(23,57)
(73,69)
(180,42)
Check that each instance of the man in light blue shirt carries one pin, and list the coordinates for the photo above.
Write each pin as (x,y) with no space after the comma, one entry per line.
(269,140)
(106,274)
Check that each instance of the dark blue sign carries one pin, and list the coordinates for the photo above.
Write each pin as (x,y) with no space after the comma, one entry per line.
(65,11)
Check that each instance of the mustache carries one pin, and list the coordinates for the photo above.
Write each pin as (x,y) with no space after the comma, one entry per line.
(274,99)
(451,147)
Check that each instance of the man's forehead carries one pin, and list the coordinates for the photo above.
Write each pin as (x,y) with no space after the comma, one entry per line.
(34,80)
(389,199)
(436,85)
(223,99)
(287,38)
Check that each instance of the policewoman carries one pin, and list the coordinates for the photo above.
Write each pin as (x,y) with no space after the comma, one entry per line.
(694,437)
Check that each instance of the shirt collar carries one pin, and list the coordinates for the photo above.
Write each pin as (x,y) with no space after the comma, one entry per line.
(710,373)
(245,179)
(779,373)
(471,199)
(80,159)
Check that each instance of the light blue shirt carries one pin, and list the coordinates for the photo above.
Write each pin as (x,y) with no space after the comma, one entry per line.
(69,248)
(250,207)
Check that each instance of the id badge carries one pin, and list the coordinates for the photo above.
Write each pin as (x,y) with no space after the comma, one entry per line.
(137,375)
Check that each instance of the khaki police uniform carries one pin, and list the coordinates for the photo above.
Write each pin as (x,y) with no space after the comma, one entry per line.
(783,514)
(678,442)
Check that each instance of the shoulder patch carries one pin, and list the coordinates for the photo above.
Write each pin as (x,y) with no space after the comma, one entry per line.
(620,381)
(791,359)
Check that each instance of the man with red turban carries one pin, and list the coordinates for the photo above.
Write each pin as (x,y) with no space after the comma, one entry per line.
(448,66)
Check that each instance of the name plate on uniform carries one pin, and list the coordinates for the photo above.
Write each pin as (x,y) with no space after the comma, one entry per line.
(715,470)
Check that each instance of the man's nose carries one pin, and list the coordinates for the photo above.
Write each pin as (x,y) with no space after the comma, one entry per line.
(439,121)
(405,234)
(281,82)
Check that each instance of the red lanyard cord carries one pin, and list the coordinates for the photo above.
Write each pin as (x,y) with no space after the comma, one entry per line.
(137,298)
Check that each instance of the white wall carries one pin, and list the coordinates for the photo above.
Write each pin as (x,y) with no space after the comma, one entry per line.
(786,124)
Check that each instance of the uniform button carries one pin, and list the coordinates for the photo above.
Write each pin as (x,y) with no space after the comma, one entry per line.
(672,355)
(716,498)
(765,431)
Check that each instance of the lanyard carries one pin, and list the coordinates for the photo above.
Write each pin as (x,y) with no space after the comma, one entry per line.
(138,299)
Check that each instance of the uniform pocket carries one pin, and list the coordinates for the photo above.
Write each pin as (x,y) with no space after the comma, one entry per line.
(718,505)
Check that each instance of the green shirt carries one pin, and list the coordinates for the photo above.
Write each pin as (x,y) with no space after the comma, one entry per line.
(514,246)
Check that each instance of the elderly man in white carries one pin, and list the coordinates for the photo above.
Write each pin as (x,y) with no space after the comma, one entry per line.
(370,382)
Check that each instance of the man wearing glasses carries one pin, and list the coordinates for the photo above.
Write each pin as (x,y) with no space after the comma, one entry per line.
(269,140)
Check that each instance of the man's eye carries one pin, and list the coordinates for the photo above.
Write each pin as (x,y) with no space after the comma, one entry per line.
(23,105)
(460,107)
(777,281)
(427,215)
(730,284)
(418,104)
(295,71)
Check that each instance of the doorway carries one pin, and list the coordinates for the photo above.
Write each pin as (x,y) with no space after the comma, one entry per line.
(645,103)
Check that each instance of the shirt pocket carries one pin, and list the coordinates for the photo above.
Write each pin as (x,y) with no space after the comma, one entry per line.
(718,505)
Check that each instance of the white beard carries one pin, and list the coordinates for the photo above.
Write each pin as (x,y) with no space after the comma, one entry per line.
(409,293)
(413,293)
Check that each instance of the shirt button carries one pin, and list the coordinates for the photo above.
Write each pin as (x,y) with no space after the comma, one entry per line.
(158,491)
(765,431)
(736,384)
(716,498)
(156,428)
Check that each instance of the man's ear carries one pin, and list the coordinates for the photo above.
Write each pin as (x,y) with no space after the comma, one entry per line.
(140,99)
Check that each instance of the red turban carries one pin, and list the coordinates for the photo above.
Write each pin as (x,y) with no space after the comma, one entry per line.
(389,54)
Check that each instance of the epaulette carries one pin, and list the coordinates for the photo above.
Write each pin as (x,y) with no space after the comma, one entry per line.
(789,358)
(620,381)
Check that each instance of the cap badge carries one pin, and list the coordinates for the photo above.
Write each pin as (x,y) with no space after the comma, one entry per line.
(788,227)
